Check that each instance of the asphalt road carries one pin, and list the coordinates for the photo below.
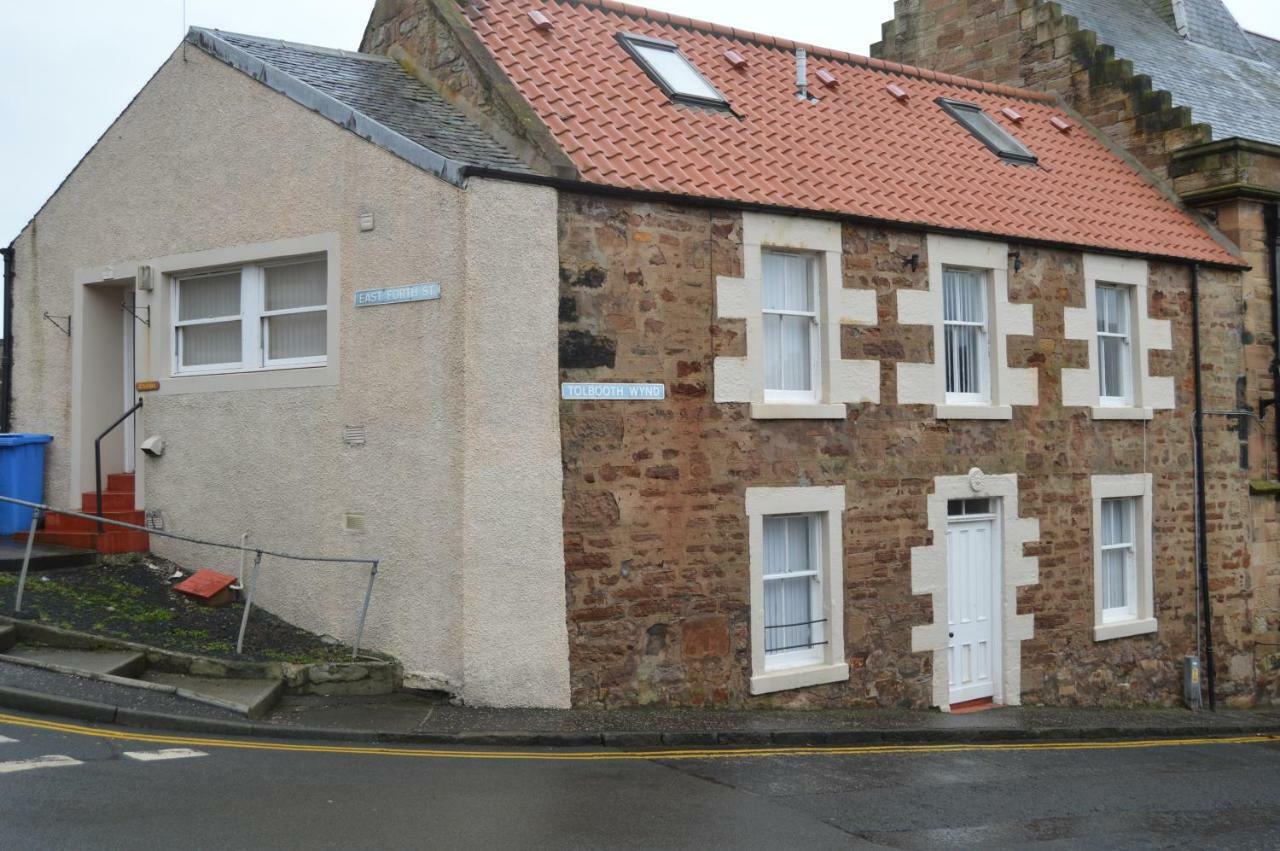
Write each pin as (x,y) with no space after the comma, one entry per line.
(80,787)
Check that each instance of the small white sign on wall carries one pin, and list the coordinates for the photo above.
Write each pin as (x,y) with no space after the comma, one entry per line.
(620,392)
(398,295)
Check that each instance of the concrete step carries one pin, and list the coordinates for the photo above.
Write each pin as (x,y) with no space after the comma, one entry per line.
(120,482)
(44,556)
(119,663)
(253,698)
(8,637)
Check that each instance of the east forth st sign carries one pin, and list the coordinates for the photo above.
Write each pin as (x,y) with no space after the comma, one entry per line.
(397,295)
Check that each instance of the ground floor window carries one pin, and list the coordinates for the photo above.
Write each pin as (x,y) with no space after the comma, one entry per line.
(1122,533)
(797,604)
(253,317)
(793,621)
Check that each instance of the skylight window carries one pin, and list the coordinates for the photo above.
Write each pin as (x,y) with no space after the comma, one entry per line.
(674,74)
(988,132)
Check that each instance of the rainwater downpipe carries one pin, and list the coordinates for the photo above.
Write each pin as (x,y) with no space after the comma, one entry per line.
(1202,561)
(1273,249)
(6,345)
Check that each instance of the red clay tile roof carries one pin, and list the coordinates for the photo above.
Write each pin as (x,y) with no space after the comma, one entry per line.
(859,151)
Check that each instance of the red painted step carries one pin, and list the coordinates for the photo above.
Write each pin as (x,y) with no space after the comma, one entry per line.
(118,502)
(111,501)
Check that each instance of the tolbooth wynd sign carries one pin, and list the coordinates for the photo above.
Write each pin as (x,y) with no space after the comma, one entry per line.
(397,295)
(622,392)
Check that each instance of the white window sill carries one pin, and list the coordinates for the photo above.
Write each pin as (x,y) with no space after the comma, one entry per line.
(1119,412)
(974,412)
(1123,629)
(791,678)
(797,411)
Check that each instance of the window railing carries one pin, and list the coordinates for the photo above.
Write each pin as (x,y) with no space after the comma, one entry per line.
(807,646)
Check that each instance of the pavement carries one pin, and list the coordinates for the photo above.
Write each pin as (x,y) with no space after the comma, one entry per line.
(105,787)
(412,718)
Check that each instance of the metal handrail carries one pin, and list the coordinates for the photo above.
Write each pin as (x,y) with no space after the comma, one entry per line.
(40,509)
(97,457)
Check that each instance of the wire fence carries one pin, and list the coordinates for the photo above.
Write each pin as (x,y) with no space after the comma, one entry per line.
(40,510)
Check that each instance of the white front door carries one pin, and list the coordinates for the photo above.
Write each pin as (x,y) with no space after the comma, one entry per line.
(972,622)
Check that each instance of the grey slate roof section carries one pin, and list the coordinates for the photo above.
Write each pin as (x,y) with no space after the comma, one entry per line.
(369,95)
(1267,48)
(1218,71)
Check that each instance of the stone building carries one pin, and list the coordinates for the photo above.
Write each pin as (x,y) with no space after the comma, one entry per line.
(761,374)
(1196,99)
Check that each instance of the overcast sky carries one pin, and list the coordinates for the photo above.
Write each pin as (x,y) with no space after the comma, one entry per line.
(67,69)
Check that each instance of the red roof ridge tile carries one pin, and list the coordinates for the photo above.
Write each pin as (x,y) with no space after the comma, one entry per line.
(766,40)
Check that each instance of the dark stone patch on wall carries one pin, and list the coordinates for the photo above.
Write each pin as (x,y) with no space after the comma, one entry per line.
(584,350)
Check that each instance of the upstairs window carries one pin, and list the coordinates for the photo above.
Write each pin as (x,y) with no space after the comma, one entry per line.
(966,335)
(987,131)
(1115,358)
(674,74)
(255,317)
(791,344)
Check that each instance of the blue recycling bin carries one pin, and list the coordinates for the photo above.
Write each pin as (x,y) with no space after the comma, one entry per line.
(21,477)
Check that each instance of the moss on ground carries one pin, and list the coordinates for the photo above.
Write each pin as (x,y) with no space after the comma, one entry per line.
(130,598)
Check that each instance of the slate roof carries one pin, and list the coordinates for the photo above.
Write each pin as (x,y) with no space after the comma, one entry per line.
(1229,78)
(857,152)
(372,86)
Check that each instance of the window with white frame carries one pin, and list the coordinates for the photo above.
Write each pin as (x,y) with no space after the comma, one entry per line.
(966,337)
(258,316)
(1124,599)
(1119,553)
(791,327)
(797,586)
(1115,345)
(793,622)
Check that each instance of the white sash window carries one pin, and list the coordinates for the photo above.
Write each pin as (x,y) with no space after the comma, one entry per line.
(792,590)
(1115,358)
(791,345)
(1119,560)
(966,337)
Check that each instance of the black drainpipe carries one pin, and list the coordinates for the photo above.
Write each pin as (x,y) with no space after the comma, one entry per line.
(1273,247)
(1202,560)
(6,350)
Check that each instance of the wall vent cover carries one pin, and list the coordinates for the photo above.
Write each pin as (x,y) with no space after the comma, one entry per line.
(355,435)
(353,522)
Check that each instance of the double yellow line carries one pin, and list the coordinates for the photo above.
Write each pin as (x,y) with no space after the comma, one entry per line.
(610,755)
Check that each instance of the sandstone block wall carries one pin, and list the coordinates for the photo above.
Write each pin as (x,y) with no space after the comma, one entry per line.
(655,524)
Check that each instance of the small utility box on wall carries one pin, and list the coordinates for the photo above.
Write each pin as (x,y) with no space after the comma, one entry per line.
(1191,682)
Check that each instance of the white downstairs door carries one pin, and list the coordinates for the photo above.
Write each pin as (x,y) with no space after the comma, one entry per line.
(972,570)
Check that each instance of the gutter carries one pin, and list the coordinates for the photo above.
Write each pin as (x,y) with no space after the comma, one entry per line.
(1202,560)
(6,345)
(587,188)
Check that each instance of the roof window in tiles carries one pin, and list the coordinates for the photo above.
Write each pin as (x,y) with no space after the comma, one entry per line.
(987,131)
(674,74)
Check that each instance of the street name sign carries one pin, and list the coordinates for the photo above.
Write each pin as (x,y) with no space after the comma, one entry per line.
(619,392)
(397,295)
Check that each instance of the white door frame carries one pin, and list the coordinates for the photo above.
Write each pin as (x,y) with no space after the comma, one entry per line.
(995,587)
(129,430)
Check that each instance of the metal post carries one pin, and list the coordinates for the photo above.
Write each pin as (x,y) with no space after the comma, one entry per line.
(26,561)
(248,601)
(368,592)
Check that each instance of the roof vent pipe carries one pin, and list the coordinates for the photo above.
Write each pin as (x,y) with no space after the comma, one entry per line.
(802,74)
